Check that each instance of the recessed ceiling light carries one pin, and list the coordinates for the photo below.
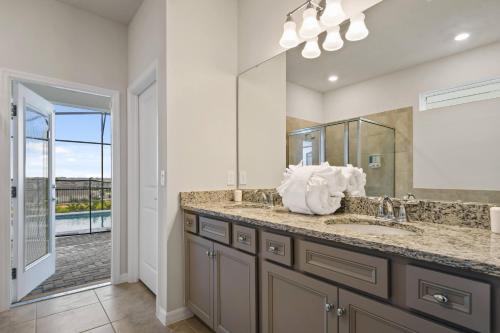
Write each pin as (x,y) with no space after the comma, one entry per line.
(333,78)
(462,36)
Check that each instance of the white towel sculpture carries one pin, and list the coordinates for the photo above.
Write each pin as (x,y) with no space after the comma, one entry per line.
(318,189)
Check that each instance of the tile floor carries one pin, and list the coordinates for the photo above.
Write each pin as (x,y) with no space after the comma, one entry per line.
(81,260)
(122,308)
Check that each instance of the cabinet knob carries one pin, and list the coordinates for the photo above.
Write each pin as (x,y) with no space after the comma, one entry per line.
(242,238)
(440,298)
(273,249)
(328,307)
(340,312)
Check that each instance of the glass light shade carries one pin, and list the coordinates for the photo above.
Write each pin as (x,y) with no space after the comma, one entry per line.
(333,14)
(310,26)
(333,40)
(311,49)
(289,39)
(357,28)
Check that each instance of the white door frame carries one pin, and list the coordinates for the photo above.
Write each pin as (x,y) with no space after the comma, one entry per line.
(7,76)
(147,78)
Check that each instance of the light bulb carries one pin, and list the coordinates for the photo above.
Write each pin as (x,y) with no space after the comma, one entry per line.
(333,40)
(310,26)
(333,14)
(462,36)
(311,49)
(357,28)
(289,39)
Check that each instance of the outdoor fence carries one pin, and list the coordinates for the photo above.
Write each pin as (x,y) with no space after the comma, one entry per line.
(83,206)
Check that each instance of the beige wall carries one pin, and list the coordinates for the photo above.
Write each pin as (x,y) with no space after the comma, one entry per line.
(146,45)
(262,123)
(201,113)
(304,103)
(49,38)
(442,153)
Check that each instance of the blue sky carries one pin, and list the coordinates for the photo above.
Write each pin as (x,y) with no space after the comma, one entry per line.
(76,159)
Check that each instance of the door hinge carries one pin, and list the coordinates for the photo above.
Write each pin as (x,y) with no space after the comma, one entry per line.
(14,273)
(13,192)
(13,110)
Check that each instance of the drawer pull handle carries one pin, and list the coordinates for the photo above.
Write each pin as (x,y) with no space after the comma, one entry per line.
(328,307)
(242,238)
(340,312)
(210,254)
(440,298)
(188,222)
(273,249)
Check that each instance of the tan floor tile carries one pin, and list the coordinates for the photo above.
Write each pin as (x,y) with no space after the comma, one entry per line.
(141,323)
(130,305)
(181,327)
(198,326)
(120,290)
(76,320)
(17,315)
(65,303)
(26,327)
(102,329)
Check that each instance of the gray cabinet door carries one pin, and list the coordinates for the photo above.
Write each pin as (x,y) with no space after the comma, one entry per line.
(363,315)
(199,277)
(295,303)
(235,291)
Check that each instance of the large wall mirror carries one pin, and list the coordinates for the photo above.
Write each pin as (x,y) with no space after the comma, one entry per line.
(413,106)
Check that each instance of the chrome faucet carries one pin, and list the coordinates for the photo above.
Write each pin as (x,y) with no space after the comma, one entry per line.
(268,198)
(402,217)
(386,213)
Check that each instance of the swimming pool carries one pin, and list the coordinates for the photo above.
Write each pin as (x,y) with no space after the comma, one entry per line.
(79,222)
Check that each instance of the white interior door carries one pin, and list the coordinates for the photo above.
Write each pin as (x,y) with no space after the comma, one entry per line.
(148,187)
(34,230)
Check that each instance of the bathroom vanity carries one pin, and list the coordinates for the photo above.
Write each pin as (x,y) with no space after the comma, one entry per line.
(253,268)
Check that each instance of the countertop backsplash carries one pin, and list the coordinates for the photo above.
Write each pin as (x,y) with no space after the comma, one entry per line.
(467,214)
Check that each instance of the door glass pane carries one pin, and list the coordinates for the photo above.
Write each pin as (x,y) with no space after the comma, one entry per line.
(304,147)
(36,186)
(334,144)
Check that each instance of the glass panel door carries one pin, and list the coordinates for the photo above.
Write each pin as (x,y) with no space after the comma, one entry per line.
(36,185)
(304,146)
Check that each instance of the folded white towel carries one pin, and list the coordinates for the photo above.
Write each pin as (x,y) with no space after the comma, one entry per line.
(356,180)
(312,189)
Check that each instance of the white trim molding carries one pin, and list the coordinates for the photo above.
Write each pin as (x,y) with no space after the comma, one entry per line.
(147,78)
(7,77)
(168,318)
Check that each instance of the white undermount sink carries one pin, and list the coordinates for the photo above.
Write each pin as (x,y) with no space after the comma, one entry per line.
(371,229)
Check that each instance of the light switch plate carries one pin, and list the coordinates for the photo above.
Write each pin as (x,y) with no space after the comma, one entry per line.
(243,177)
(231,178)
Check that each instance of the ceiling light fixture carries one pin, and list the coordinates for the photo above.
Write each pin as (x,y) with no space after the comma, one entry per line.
(311,49)
(462,36)
(333,14)
(333,78)
(333,40)
(357,28)
(289,39)
(310,26)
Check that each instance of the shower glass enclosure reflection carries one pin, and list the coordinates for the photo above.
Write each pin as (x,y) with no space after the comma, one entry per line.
(359,142)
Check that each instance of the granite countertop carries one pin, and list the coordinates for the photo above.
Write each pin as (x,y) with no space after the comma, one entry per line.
(471,249)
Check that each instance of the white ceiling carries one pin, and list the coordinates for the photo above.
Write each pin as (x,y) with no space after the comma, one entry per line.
(121,11)
(402,34)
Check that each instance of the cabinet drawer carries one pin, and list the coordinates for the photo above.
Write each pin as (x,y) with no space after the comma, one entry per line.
(277,248)
(360,271)
(190,222)
(216,230)
(244,238)
(459,300)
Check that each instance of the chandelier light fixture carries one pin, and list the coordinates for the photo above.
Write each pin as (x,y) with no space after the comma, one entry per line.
(330,19)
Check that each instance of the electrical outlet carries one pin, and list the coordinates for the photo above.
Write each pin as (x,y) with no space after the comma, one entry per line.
(231,178)
(243,177)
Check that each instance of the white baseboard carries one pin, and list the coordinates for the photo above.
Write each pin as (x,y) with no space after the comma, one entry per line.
(174,316)
(121,279)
